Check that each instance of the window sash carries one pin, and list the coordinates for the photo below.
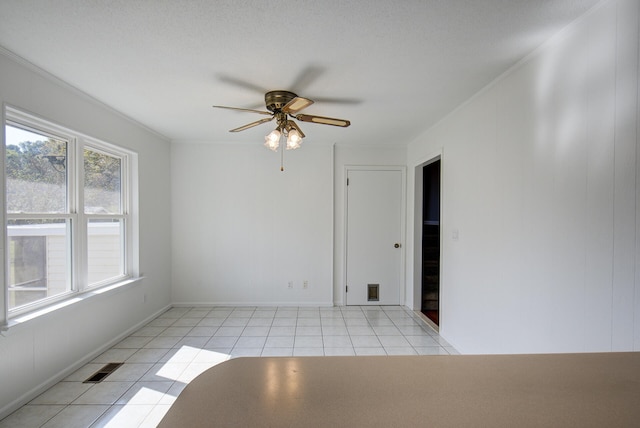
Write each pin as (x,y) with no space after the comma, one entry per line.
(101,241)
(101,191)
(79,239)
(56,258)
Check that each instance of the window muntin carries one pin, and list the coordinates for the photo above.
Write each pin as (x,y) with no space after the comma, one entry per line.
(68,215)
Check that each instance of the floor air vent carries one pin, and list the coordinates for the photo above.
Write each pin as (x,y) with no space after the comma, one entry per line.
(101,374)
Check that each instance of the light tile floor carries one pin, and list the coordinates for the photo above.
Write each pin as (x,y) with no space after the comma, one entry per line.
(161,358)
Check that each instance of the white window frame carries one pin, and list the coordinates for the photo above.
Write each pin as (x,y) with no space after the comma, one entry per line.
(77,247)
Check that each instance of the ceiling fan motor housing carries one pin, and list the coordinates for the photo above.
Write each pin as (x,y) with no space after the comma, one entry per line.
(275,100)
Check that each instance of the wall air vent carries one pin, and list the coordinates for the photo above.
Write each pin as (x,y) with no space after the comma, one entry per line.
(373,292)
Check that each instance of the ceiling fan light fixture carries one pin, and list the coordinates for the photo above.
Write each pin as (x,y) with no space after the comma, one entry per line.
(281,106)
(294,139)
(272,140)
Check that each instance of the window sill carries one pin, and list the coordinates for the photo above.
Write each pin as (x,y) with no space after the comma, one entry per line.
(22,319)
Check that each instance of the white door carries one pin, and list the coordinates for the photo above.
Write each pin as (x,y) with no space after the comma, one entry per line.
(374,236)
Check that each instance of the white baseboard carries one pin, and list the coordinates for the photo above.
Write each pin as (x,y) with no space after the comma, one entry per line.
(323,304)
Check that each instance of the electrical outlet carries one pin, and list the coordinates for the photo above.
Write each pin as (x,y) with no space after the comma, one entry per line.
(305,284)
(290,284)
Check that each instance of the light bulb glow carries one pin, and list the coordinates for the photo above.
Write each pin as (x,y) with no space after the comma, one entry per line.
(272,140)
(293,140)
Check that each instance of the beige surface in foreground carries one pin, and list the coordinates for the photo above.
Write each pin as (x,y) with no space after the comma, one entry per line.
(563,390)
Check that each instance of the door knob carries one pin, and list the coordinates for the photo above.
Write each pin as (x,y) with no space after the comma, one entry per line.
(396,245)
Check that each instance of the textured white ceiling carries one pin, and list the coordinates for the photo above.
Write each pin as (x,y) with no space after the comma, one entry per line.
(398,66)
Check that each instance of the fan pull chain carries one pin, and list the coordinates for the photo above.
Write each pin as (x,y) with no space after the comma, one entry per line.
(282,158)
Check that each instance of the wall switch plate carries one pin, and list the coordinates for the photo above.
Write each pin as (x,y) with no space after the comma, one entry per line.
(305,284)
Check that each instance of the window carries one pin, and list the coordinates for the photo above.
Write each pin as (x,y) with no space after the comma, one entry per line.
(69,225)
(105,219)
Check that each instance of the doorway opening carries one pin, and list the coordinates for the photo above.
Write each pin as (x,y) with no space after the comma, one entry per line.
(430,306)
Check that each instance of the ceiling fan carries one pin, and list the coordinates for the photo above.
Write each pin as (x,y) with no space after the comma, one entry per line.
(284,106)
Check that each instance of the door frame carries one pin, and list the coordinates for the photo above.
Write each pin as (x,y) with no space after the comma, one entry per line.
(403,225)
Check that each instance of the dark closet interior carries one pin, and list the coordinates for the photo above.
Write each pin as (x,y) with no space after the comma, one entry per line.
(431,242)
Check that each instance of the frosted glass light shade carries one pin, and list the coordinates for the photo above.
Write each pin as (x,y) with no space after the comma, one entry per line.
(293,140)
(272,140)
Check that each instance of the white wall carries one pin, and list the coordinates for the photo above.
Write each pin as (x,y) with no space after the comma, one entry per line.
(37,353)
(352,156)
(539,176)
(242,230)
(232,240)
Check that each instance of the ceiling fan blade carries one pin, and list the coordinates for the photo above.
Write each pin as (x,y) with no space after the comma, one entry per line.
(346,101)
(241,83)
(323,120)
(252,124)
(306,77)
(245,109)
(296,104)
